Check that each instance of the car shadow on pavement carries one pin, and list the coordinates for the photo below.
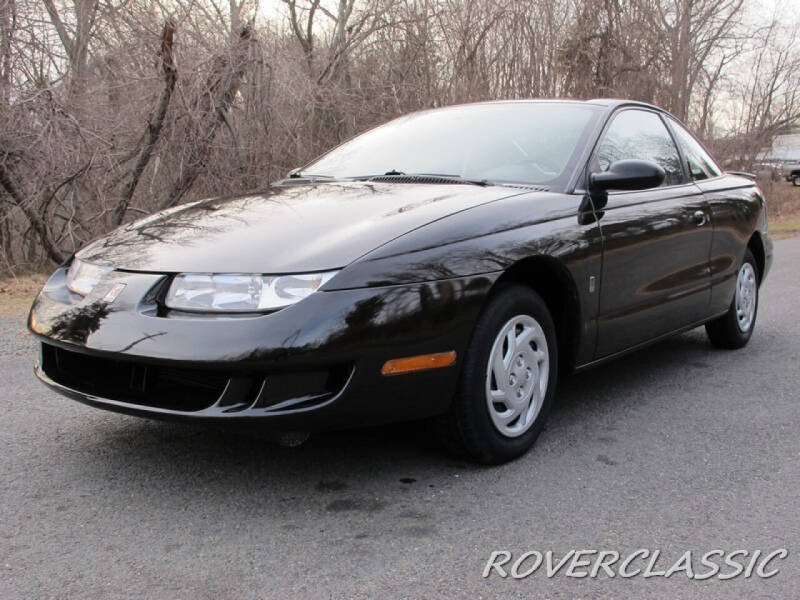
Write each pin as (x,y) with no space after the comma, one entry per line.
(633,378)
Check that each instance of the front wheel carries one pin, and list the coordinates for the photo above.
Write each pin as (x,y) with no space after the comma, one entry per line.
(734,328)
(796,180)
(507,381)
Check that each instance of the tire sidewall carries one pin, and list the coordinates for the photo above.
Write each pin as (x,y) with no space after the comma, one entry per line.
(508,302)
(725,331)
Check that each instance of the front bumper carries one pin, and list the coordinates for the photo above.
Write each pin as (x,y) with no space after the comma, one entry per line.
(311,366)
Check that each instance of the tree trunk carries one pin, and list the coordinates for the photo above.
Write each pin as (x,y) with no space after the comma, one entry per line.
(220,91)
(33,217)
(155,123)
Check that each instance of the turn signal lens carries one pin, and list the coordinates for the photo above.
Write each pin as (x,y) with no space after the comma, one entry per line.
(423,362)
(83,276)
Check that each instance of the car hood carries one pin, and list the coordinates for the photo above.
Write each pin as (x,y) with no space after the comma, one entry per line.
(287,229)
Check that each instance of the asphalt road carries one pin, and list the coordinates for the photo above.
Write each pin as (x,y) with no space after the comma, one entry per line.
(678,447)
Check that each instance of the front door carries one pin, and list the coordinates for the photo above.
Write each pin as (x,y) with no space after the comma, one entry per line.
(656,243)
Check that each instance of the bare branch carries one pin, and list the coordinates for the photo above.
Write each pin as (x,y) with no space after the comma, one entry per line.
(156,121)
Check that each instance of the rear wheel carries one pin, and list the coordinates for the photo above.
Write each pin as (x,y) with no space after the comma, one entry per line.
(734,328)
(796,180)
(507,382)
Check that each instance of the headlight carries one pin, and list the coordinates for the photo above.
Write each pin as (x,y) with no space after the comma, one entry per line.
(83,276)
(233,292)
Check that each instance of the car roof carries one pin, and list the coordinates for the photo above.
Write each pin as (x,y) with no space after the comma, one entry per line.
(615,102)
(609,104)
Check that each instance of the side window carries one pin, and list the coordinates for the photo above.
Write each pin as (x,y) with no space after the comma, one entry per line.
(641,135)
(701,165)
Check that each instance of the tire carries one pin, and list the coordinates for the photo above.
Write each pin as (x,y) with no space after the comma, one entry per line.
(734,329)
(796,180)
(471,428)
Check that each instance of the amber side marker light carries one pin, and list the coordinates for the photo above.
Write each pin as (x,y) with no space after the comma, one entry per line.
(423,362)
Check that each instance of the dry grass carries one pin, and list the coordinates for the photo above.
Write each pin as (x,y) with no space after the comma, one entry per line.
(783,205)
(785,228)
(17,293)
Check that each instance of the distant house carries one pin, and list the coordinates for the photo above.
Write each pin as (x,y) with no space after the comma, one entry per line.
(785,148)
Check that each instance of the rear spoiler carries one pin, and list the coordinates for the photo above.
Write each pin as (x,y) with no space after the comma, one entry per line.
(742,174)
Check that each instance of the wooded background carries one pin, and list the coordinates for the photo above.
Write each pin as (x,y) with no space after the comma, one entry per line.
(113,109)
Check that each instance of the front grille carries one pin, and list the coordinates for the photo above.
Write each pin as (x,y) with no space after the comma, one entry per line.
(190,390)
(134,382)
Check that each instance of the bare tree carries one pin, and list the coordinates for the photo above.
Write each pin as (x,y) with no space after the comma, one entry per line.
(694,30)
(8,23)
(111,109)
(155,123)
(767,100)
(75,42)
(210,109)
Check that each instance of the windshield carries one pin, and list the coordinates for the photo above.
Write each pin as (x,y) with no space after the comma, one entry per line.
(522,142)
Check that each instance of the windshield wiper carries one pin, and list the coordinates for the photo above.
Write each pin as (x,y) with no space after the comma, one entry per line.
(299,175)
(447,176)
(481,182)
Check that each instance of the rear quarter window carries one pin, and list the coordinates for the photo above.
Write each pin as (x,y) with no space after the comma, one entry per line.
(701,165)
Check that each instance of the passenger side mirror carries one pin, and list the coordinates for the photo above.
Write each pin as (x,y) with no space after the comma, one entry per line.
(628,175)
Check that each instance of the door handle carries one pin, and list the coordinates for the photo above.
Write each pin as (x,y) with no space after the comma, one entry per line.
(700,218)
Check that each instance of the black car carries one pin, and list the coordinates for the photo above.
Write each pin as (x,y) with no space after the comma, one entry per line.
(449,265)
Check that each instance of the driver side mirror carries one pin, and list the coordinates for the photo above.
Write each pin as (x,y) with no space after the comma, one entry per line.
(627,175)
